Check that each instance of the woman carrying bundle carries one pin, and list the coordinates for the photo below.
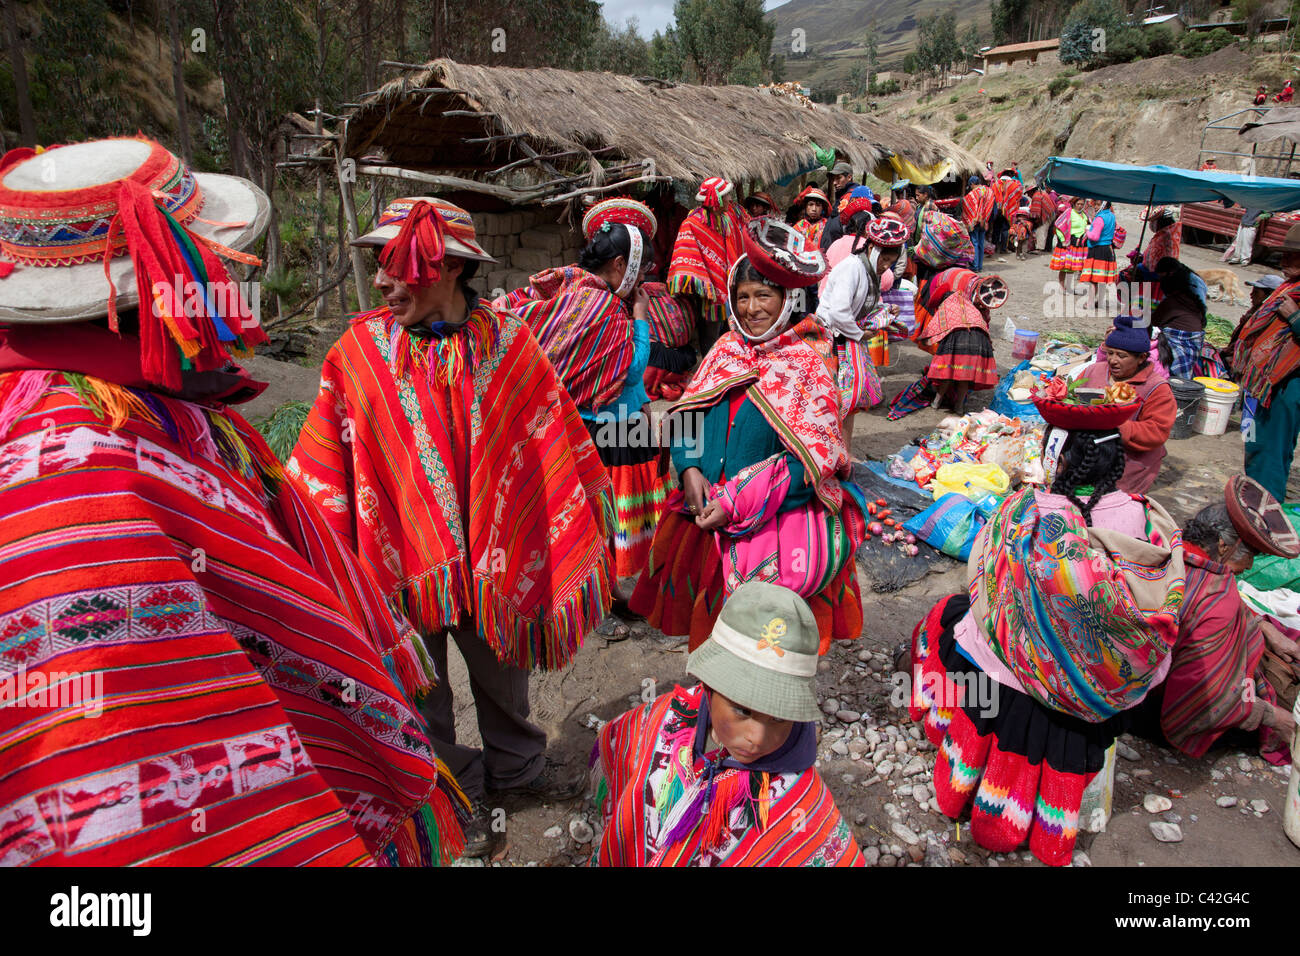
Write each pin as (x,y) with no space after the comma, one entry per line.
(950,325)
(1072,612)
(760,456)
(592,320)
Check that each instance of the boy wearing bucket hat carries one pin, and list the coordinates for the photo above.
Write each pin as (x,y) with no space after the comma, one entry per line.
(202,618)
(445,450)
(1223,646)
(1266,359)
(722,774)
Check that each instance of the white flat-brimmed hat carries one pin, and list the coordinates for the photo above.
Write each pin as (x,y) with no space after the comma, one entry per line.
(61,214)
(459,238)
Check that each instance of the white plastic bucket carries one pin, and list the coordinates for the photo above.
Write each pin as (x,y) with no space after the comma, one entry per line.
(1291,815)
(1216,406)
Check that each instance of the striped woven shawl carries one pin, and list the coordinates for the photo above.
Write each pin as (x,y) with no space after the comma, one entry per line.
(249,695)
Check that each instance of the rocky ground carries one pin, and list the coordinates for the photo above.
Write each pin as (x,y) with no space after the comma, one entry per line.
(1223,810)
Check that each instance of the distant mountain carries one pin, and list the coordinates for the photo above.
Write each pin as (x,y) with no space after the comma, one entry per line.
(834,31)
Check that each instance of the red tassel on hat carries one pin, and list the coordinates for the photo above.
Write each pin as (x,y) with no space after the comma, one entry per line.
(160,263)
(414,253)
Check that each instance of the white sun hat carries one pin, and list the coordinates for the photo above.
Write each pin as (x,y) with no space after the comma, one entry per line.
(60,213)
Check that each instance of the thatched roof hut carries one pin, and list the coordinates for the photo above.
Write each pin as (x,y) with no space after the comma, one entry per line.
(530,135)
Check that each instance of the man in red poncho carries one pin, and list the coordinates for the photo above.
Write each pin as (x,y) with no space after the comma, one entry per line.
(445,450)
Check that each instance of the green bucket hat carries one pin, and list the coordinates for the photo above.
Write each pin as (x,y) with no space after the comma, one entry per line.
(762,653)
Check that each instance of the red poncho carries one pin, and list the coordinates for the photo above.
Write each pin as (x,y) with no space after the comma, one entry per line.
(459,470)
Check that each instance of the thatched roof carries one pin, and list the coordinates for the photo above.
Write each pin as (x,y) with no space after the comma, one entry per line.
(428,120)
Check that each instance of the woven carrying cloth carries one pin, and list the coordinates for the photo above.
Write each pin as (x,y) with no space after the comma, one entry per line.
(254,680)
(584,328)
(459,470)
(1083,616)
(707,245)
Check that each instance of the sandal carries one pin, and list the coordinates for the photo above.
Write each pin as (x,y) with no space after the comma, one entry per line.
(613,630)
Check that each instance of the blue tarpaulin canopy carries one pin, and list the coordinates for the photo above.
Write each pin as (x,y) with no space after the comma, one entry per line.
(1159,185)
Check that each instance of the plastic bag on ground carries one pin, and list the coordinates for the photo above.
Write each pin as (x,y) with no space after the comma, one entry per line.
(969,479)
(887,566)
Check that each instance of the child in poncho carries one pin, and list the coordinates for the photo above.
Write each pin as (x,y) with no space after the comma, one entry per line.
(722,774)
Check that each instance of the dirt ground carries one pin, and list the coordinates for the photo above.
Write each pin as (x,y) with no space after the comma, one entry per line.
(606,678)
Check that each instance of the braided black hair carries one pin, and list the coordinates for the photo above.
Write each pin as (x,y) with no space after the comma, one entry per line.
(1084,462)
(606,246)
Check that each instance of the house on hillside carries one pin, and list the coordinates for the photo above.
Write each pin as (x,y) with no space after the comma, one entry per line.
(1002,58)
(1173,21)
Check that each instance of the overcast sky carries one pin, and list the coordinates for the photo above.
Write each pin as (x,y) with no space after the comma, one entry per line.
(651,15)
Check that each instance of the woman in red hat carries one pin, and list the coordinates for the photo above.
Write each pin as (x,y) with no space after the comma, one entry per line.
(1025,680)
(602,329)
(444,449)
(759,449)
(1228,658)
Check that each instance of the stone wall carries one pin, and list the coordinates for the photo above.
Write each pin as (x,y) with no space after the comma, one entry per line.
(523,241)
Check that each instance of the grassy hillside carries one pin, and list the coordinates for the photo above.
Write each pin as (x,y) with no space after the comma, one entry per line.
(1150,111)
(834,31)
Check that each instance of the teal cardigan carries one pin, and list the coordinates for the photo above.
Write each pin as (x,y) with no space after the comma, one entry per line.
(751,440)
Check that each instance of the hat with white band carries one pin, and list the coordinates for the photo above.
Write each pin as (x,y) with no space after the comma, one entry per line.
(762,653)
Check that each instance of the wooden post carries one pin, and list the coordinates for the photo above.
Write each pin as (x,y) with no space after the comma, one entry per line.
(347,175)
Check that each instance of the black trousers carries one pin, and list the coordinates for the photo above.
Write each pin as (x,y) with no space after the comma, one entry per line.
(513,748)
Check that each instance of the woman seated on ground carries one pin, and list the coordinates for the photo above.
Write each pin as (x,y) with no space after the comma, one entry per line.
(758,445)
(1180,316)
(592,320)
(722,774)
(1127,358)
(950,326)
(1025,680)
(1217,681)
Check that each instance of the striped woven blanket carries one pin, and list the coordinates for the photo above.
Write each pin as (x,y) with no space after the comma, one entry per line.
(192,670)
